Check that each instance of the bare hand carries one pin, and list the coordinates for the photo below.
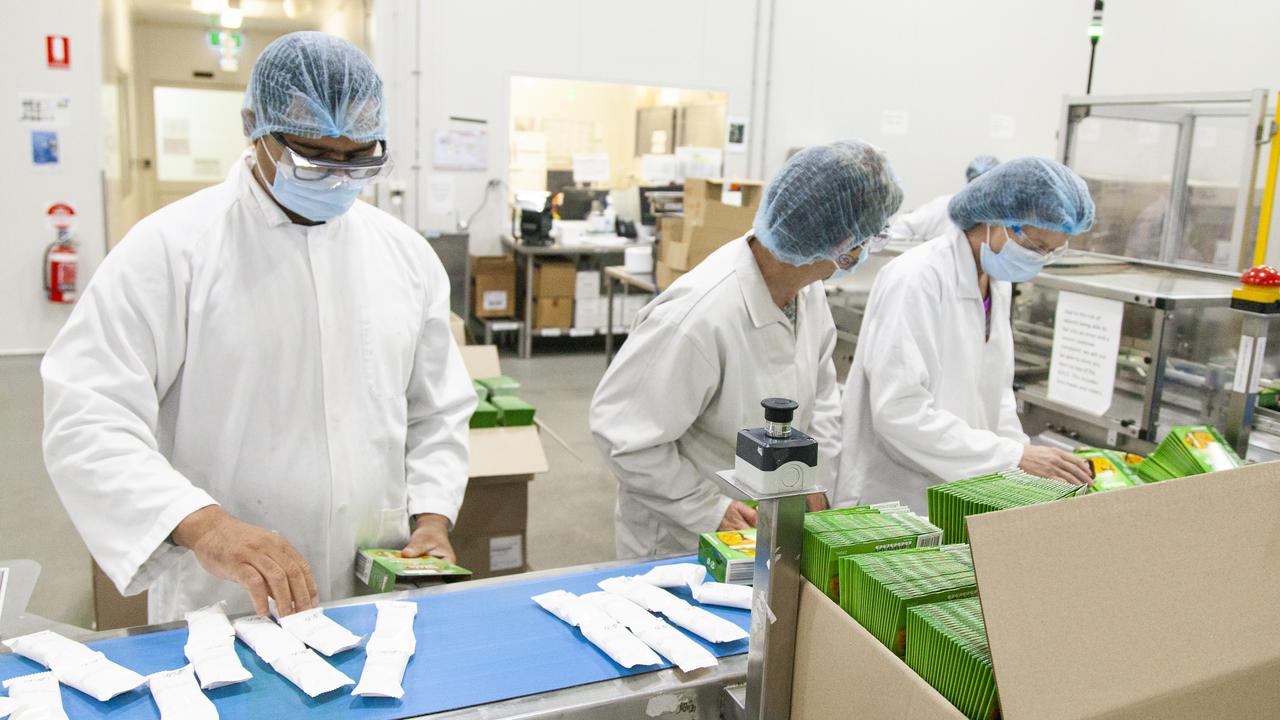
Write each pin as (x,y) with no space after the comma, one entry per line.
(430,537)
(1054,463)
(818,502)
(737,517)
(260,561)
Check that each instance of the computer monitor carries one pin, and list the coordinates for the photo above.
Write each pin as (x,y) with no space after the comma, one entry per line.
(558,180)
(646,207)
(577,202)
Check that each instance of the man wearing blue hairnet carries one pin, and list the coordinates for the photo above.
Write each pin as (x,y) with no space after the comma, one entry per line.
(260,378)
(749,322)
(930,395)
(931,219)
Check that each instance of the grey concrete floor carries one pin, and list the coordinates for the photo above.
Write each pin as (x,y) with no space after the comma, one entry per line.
(570,508)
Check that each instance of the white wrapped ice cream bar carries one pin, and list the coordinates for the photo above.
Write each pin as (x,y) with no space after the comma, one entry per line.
(76,665)
(35,697)
(178,696)
(289,657)
(211,648)
(599,628)
(320,632)
(655,632)
(702,623)
(388,651)
(724,594)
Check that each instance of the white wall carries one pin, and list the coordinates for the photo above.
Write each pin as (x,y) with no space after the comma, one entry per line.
(468,52)
(27,321)
(839,64)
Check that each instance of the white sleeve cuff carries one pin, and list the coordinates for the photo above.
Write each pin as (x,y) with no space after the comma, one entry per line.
(135,573)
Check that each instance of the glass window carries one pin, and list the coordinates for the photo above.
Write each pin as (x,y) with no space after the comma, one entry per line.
(198,133)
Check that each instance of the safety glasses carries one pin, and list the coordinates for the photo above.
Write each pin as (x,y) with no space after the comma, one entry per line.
(308,169)
(846,259)
(1043,251)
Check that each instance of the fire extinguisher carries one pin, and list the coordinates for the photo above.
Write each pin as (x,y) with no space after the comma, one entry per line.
(60,268)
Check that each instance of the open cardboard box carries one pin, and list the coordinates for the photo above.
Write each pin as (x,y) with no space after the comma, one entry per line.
(1152,602)
(489,536)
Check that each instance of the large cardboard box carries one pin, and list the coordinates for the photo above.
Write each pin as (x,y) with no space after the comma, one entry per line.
(670,227)
(493,281)
(698,242)
(552,312)
(704,202)
(111,610)
(489,536)
(554,279)
(666,275)
(458,329)
(1152,602)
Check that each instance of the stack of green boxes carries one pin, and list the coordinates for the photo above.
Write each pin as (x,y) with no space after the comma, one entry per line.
(950,503)
(878,589)
(1110,471)
(1269,395)
(832,534)
(947,646)
(500,404)
(1188,450)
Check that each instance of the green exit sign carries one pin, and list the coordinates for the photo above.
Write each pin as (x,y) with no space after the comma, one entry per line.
(218,37)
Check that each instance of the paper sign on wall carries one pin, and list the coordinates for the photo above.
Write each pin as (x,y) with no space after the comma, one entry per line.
(44,147)
(659,169)
(699,162)
(736,141)
(506,553)
(1003,127)
(460,150)
(1086,341)
(590,167)
(895,122)
(44,109)
(441,194)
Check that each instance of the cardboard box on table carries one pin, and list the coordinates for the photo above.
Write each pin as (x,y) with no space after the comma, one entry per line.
(554,279)
(493,286)
(666,275)
(552,313)
(489,536)
(1152,602)
(709,222)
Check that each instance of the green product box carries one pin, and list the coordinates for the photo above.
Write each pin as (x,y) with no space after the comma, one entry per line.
(485,415)
(379,569)
(482,392)
(1109,470)
(729,556)
(512,411)
(500,386)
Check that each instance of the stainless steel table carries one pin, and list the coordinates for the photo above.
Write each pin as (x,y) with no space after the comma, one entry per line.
(664,693)
(527,254)
(618,275)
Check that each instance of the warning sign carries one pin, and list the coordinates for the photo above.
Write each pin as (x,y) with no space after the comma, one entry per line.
(61,215)
(58,51)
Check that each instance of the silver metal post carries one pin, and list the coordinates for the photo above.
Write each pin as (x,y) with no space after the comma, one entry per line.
(526,347)
(1161,339)
(608,328)
(1244,393)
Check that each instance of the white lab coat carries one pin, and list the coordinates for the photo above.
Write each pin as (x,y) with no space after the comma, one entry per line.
(924,223)
(927,400)
(699,360)
(303,377)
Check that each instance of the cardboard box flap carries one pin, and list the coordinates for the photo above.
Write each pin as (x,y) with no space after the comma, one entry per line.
(498,452)
(1156,601)
(481,361)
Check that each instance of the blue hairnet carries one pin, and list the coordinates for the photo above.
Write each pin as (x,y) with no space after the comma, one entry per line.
(315,85)
(1027,191)
(822,197)
(980,165)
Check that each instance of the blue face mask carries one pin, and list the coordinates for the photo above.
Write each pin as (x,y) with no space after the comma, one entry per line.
(1014,263)
(318,200)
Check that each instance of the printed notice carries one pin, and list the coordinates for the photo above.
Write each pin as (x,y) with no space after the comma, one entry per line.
(1086,340)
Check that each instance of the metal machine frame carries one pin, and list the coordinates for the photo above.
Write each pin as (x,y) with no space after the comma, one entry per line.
(1180,110)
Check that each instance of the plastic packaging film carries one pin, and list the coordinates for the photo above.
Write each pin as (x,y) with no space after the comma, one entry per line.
(724,594)
(388,651)
(211,648)
(320,632)
(77,666)
(35,697)
(694,619)
(655,632)
(289,657)
(178,696)
(676,575)
(604,632)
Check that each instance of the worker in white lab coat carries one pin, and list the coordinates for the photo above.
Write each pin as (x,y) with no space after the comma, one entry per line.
(930,395)
(260,378)
(931,219)
(748,323)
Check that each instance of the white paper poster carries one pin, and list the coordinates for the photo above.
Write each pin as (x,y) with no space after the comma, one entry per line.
(699,162)
(1003,127)
(506,553)
(461,150)
(1086,341)
(895,122)
(736,139)
(44,109)
(659,169)
(441,194)
(590,167)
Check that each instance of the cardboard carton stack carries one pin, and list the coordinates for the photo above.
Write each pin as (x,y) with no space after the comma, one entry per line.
(715,212)
(493,286)
(553,290)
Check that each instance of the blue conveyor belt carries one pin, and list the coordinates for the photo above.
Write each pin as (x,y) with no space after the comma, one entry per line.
(474,647)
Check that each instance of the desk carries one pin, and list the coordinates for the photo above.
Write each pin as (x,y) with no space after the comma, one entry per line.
(618,274)
(526,254)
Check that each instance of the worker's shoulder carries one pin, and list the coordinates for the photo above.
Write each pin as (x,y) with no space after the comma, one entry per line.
(386,228)
(700,298)
(927,265)
(184,222)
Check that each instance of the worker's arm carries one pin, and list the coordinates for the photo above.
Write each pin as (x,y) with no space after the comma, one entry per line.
(440,401)
(651,395)
(904,411)
(826,427)
(119,353)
